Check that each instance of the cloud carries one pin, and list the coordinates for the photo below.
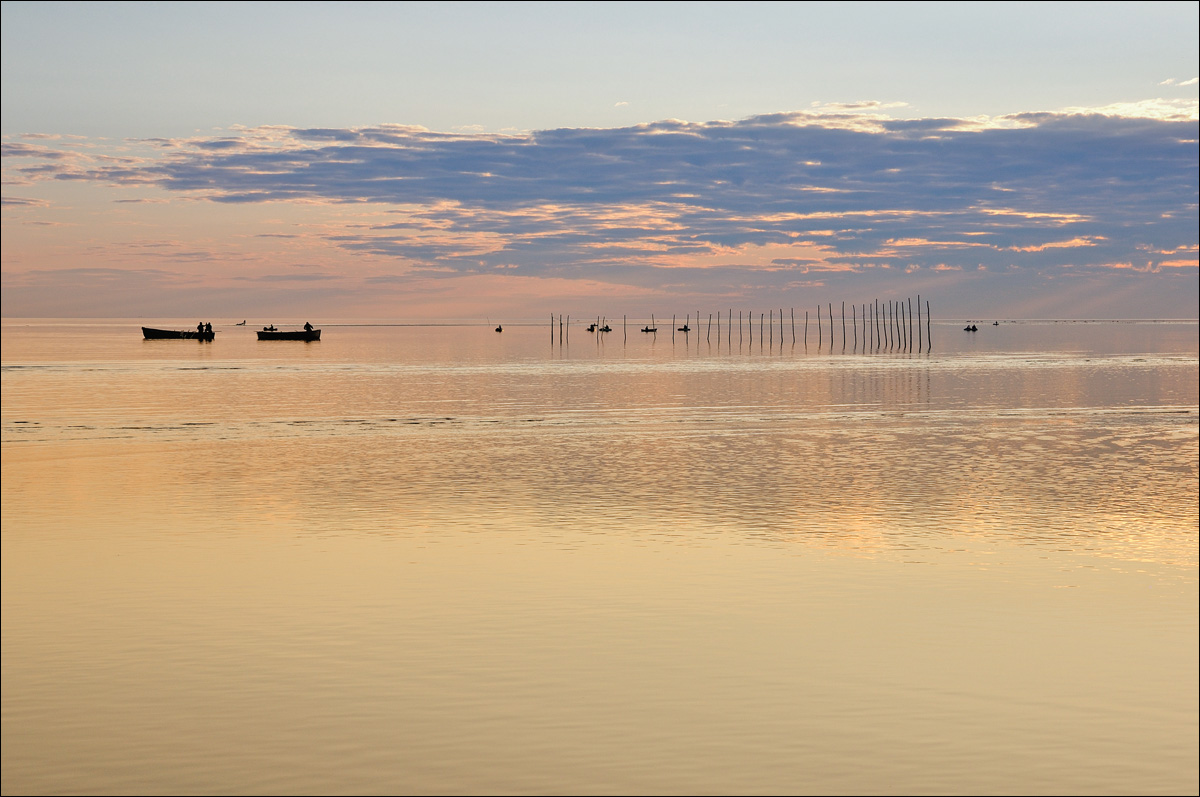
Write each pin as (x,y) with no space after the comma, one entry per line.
(674,189)
(839,190)
(23,202)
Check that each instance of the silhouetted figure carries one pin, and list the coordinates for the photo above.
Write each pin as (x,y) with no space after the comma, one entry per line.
(308,327)
(499,328)
(207,327)
(200,328)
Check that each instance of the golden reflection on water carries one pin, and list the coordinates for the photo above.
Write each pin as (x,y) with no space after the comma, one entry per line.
(328,571)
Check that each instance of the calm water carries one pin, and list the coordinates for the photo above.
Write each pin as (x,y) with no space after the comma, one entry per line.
(445,560)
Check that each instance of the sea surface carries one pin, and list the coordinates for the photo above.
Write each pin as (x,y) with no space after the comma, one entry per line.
(442,559)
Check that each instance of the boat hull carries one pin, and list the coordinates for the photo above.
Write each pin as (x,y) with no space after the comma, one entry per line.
(266,334)
(149,333)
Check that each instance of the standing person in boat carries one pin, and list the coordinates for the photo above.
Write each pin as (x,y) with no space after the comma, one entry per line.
(207,327)
(200,328)
(308,327)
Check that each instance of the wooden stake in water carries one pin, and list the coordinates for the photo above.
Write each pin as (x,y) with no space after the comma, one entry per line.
(928,328)
(820,330)
(891,309)
(910,323)
(920,340)
(843,326)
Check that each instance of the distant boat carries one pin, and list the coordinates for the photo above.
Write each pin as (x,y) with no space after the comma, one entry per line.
(652,327)
(149,333)
(685,328)
(970,328)
(499,328)
(289,334)
(995,323)
(240,324)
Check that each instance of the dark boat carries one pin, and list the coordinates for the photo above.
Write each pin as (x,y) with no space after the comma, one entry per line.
(289,334)
(176,334)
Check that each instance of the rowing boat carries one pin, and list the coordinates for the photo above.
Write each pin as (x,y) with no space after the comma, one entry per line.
(176,334)
(289,334)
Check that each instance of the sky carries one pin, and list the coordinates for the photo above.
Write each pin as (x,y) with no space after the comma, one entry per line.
(458,161)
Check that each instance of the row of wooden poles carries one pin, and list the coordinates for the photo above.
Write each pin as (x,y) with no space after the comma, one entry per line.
(881,326)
